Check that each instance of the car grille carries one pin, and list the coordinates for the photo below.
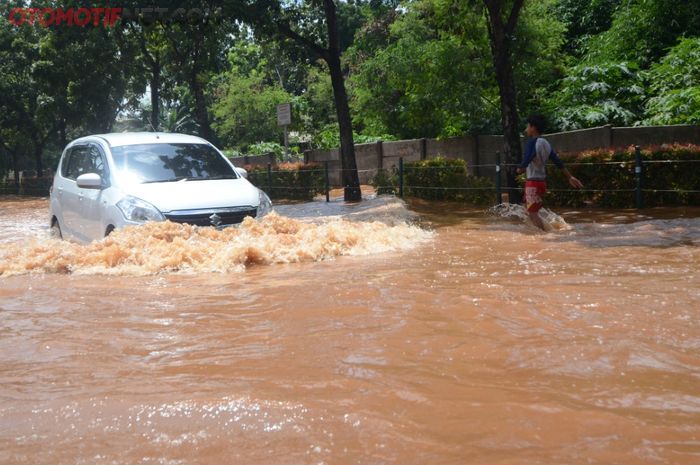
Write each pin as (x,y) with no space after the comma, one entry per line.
(226,216)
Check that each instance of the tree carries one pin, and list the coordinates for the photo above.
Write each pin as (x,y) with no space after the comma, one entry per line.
(584,19)
(313,25)
(152,46)
(675,86)
(331,55)
(245,100)
(197,52)
(539,48)
(26,123)
(595,95)
(429,78)
(502,18)
(643,30)
(431,75)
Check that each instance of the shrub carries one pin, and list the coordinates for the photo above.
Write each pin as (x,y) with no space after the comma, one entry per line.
(437,179)
(295,181)
(619,175)
(386,182)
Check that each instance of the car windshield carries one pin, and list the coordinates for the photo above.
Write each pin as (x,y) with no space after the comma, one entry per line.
(163,162)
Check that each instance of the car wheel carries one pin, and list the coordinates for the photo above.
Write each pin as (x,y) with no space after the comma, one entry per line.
(56,230)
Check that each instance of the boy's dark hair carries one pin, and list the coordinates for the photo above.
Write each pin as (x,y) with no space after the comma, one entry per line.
(537,121)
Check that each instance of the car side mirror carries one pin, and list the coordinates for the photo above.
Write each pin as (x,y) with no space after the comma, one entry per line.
(242,172)
(89,181)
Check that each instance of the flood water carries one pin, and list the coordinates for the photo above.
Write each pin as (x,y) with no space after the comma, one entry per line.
(370,334)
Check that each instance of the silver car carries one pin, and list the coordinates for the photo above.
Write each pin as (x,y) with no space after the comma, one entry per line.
(108,181)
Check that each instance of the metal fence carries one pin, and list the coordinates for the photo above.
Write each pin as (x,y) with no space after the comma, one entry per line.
(307,182)
(401,186)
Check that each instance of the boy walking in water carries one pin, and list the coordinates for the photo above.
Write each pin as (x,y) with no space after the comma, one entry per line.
(537,152)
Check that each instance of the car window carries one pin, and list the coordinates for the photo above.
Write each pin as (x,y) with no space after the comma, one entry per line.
(96,162)
(77,160)
(83,159)
(65,163)
(170,162)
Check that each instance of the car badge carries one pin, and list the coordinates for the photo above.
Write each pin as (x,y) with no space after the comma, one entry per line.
(215,219)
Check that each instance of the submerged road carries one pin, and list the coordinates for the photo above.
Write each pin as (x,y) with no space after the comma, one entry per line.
(384,335)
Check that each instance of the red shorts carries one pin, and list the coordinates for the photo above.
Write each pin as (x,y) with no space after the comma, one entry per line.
(534,193)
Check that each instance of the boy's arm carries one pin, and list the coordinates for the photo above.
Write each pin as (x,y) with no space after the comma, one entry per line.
(560,164)
(529,154)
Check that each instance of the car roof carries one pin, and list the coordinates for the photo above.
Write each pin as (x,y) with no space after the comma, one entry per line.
(117,139)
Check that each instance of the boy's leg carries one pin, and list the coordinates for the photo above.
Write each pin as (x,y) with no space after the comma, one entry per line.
(534,192)
(537,219)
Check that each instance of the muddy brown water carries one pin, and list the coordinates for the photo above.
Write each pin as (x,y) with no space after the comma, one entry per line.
(331,338)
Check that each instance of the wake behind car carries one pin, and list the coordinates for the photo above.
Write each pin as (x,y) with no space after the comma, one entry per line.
(104,182)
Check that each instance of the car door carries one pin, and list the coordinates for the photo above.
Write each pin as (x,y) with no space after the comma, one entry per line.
(59,201)
(68,191)
(91,202)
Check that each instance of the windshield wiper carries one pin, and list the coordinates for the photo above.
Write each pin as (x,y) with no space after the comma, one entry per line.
(179,178)
(211,178)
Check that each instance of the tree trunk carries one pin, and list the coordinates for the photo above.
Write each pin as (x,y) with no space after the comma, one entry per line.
(155,93)
(39,162)
(512,149)
(500,37)
(38,149)
(201,114)
(351,180)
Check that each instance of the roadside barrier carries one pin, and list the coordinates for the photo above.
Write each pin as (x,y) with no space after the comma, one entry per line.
(455,182)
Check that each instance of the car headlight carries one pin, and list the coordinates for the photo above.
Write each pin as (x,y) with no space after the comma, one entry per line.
(265,205)
(138,210)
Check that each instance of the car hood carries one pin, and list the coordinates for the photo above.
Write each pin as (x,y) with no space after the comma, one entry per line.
(193,195)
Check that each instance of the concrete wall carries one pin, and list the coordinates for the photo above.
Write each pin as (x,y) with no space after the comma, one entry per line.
(409,150)
(464,148)
(480,151)
(369,159)
(582,139)
(655,135)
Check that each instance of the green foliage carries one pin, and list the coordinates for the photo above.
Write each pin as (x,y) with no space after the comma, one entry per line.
(245,108)
(642,30)
(538,55)
(584,19)
(293,181)
(314,109)
(386,182)
(432,75)
(418,68)
(427,82)
(681,175)
(329,138)
(595,95)
(675,84)
(437,179)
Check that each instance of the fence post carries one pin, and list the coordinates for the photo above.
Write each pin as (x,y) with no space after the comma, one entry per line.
(638,175)
(269,178)
(327,183)
(498,178)
(401,177)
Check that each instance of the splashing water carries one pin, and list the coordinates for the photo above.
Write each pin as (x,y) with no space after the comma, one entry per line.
(552,221)
(171,247)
